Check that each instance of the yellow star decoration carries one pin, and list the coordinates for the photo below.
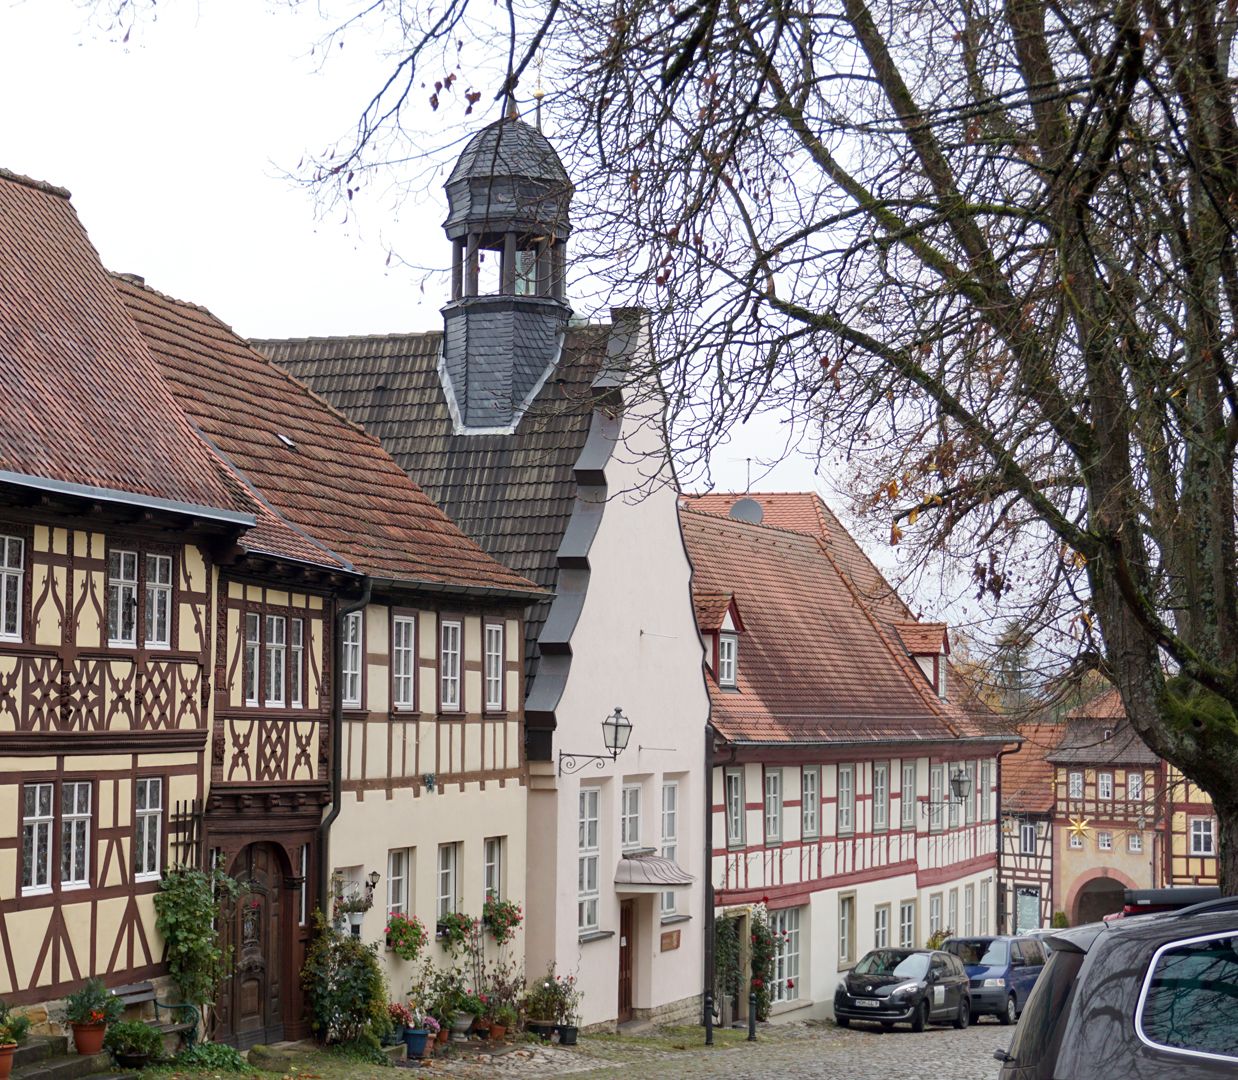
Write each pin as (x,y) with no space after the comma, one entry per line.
(1080,827)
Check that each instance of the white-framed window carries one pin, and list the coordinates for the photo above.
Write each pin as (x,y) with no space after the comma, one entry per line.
(448,878)
(969,804)
(908,797)
(1074,785)
(670,834)
(1104,840)
(1076,841)
(253,646)
(785,925)
(735,807)
(983,801)
(810,802)
(403,661)
(75,833)
(953,911)
(907,924)
(36,831)
(1027,838)
(934,913)
(629,817)
(158,601)
(1134,786)
(969,909)
(773,806)
(449,666)
(296,663)
(148,833)
(881,796)
(122,598)
(1134,842)
(984,906)
(587,860)
(846,929)
(492,866)
(1203,836)
(1104,785)
(397,881)
(881,926)
(937,789)
(350,670)
(276,646)
(12,572)
(728,659)
(846,799)
(494,667)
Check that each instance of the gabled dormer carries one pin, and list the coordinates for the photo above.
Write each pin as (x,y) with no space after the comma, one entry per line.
(928,644)
(718,618)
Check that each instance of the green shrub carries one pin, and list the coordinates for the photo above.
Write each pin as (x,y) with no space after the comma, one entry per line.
(187,908)
(345,986)
(213,1057)
(1059,921)
(13,1026)
(133,1037)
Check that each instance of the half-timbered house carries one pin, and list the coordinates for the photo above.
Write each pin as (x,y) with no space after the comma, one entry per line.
(850,795)
(1027,787)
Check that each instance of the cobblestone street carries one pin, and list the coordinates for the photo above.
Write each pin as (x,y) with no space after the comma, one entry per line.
(815,1051)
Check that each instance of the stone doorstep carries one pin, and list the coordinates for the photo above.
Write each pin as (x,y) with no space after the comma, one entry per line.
(38,1048)
(65,1067)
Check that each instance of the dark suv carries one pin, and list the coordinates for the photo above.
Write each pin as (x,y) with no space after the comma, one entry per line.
(1145,997)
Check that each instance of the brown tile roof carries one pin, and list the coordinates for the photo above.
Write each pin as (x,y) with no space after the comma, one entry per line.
(1027,777)
(330,487)
(711,608)
(1084,743)
(83,401)
(1106,706)
(814,665)
(923,639)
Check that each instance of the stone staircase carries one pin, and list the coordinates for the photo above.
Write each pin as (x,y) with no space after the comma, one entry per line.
(47,1057)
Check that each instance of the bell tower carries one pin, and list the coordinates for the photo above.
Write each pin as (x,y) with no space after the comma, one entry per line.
(508,198)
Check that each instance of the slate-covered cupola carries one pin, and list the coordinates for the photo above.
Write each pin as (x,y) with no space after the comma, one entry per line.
(508,199)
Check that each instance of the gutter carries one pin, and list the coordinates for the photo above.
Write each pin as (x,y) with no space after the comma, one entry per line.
(1000,898)
(337,740)
(791,744)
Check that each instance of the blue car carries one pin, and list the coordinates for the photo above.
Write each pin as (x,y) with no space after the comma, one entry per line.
(1002,971)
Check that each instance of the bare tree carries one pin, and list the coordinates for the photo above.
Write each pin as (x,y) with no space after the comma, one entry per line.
(985,247)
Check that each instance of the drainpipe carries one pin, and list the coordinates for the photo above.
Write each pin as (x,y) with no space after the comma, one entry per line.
(706,998)
(337,741)
(999,898)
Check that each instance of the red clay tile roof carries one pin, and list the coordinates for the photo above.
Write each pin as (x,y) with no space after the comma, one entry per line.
(1027,778)
(711,608)
(65,335)
(1106,706)
(325,480)
(814,665)
(923,639)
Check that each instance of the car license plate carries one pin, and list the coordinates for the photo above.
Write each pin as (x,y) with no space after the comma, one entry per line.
(867,1004)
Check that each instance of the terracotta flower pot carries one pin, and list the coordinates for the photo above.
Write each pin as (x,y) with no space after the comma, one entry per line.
(444,1033)
(88,1038)
(497,1031)
(6,1060)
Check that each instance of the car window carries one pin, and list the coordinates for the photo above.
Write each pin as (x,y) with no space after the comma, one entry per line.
(1016,952)
(890,962)
(1033,951)
(1188,998)
(1044,1017)
(939,964)
(973,951)
(956,965)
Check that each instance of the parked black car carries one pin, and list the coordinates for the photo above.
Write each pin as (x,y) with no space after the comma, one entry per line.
(904,986)
(1142,998)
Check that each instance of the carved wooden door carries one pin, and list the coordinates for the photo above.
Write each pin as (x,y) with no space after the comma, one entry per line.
(253,1006)
(627,925)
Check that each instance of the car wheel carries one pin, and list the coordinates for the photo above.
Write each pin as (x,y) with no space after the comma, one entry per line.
(975,1017)
(920,1020)
(1011,1013)
(964,1014)
(842,1021)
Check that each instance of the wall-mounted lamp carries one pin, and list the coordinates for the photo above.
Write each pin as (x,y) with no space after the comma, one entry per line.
(429,779)
(616,730)
(960,789)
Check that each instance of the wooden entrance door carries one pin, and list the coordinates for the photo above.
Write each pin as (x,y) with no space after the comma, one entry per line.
(627,927)
(258,934)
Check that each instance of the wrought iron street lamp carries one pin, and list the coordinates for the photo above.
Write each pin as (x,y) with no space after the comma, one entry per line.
(616,730)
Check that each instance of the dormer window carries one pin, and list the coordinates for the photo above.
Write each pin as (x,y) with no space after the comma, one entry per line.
(728,659)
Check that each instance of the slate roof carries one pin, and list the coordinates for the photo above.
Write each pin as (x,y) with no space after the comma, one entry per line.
(508,147)
(1106,706)
(512,494)
(815,665)
(330,488)
(1027,775)
(65,335)
(1084,743)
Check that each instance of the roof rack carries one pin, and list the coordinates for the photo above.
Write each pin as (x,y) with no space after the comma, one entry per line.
(1224,903)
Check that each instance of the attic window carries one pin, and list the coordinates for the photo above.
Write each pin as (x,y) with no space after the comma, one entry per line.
(285,440)
(1108,733)
(728,659)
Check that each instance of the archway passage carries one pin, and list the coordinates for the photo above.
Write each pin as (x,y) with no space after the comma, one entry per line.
(1097,898)
(259,933)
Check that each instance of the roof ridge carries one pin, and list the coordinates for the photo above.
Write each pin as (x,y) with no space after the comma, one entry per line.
(39,185)
(393,335)
(806,537)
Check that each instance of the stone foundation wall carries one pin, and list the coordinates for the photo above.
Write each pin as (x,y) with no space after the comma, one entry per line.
(47,1017)
(684,1011)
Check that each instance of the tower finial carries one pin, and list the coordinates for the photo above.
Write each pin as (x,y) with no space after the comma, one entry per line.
(538,92)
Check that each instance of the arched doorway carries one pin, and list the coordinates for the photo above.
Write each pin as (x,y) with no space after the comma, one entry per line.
(251,1003)
(1097,898)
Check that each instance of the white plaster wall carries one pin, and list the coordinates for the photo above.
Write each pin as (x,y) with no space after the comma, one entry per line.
(635,646)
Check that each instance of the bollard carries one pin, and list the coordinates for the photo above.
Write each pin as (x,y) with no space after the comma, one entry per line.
(752,1016)
(709,1019)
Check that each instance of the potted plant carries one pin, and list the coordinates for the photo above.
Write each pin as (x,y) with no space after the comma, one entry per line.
(401,1017)
(416,1035)
(541,1004)
(89,1010)
(468,1006)
(568,1018)
(453,930)
(13,1030)
(434,1028)
(133,1043)
(503,1021)
(501,918)
(406,935)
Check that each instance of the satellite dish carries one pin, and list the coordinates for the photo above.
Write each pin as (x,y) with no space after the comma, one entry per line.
(748,510)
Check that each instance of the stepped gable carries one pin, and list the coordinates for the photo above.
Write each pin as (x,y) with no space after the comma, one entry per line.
(319,474)
(64,335)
